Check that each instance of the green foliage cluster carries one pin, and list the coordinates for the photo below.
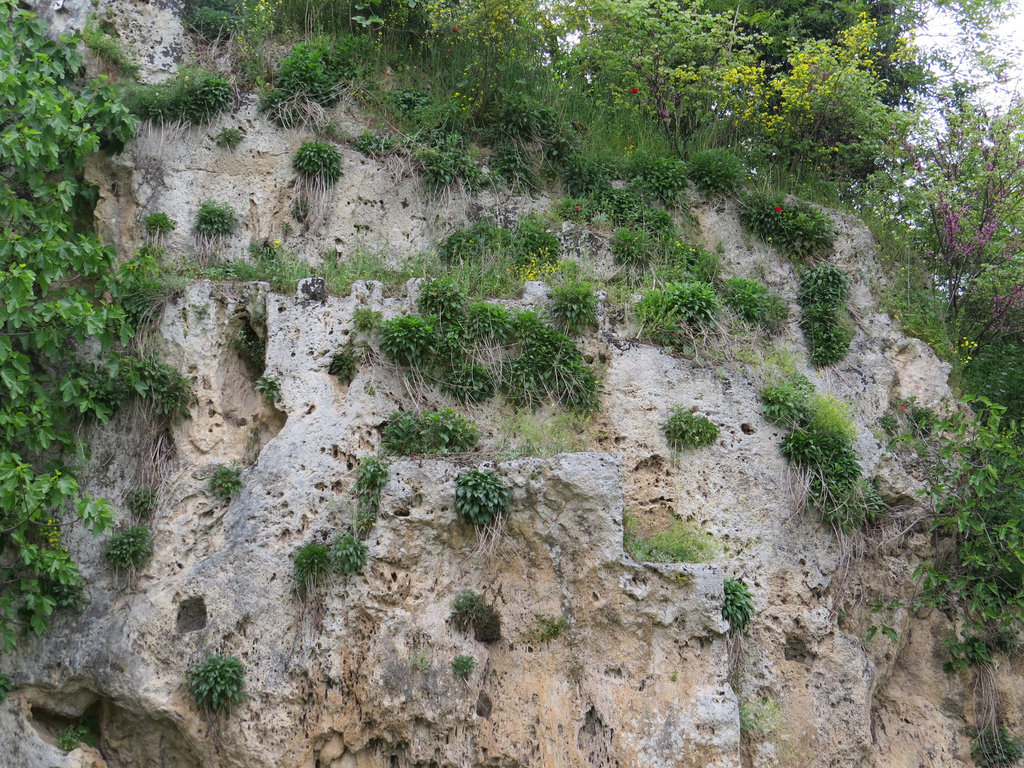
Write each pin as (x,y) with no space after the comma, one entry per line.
(100,37)
(61,292)
(192,96)
(318,160)
(470,610)
(365,319)
(5,686)
(824,290)
(129,549)
(414,432)
(470,350)
(225,482)
(371,477)
(375,144)
(738,606)
(681,543)
(75,734)
(344,364)
(141,503)
(753,303)
(715,170)
(229,138)
(159,224)
(632,246)
(214,219)
(217,684)
(269,388)
(820,442)
(685,430)
(547,628)
(210,19)
(657,178)
(481,497)
(573,307)
(463,666)
(799,230)
(667,314)
(996,748)
(316,71)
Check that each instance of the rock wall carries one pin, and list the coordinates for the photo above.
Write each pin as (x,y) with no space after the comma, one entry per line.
(358,675)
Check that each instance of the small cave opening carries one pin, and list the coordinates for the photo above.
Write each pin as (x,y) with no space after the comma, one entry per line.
(191,615)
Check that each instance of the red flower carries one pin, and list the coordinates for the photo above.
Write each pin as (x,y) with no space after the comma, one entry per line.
(577,207)
(634,90)
(455,28)
(903,408)
(777,209)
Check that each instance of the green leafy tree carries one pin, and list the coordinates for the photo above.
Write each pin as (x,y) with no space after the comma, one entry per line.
(56,282)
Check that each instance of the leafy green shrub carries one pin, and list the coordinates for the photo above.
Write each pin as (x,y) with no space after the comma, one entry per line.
(375,144)
(316,71)
(269,388)
(468,383)
(738,606)
(159,224)
(129,549)
(229,138)
(215,219)
(192,96)
(971,649)
(100,36)
(408,100)
(318,160)
(681,543)
(481,497)
(471,610)
(547,628)
(632,246)
(167,392)
(5,686)
(408,341)
(996,749)
(715,170)
(446,161)
(443,300)
(311,564)
(365,319)
(584,177)
(532,241)
(573,307)
(473,242)
(515,164)
(217,684)
(661,311)
(682,262)
(427,432)
(463,666)
(141,503)
(488,323)
(685,430)
(823,292)
(371,477)
(658,177)
(344,364)
(752,302)
(73,735)
(225,482)
(348,554)
(799,230)
(210,18)
(787,401)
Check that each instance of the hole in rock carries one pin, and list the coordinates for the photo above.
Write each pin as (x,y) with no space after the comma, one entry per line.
(747,429)
(483,705)
(191,615)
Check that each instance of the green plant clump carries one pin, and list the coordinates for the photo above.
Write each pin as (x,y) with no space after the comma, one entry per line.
(463,666)
(269,388)
(787,400)
(371,477)
(996,748)
(5,686)
(159,224)
(100,37)
(481,497)
(443,300)
(375,144)
(365,319)
(685,430)
(129,549)
(409,340)
(73,735)
(753,304)
(311,563)
(210,18)
(344,364)
(226,482)
(738,606)
(348,554)
(715,170)
(229,138)
(573,308)
(141,503)
(823,292)
(658,177)
(471,610)
(217,684)
(215,219)
(318,160)
(428,432)
(683,542)
(192,96)
(547,628)
(798,230)
(632,246)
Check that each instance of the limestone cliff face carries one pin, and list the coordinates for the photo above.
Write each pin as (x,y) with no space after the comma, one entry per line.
(359,677)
